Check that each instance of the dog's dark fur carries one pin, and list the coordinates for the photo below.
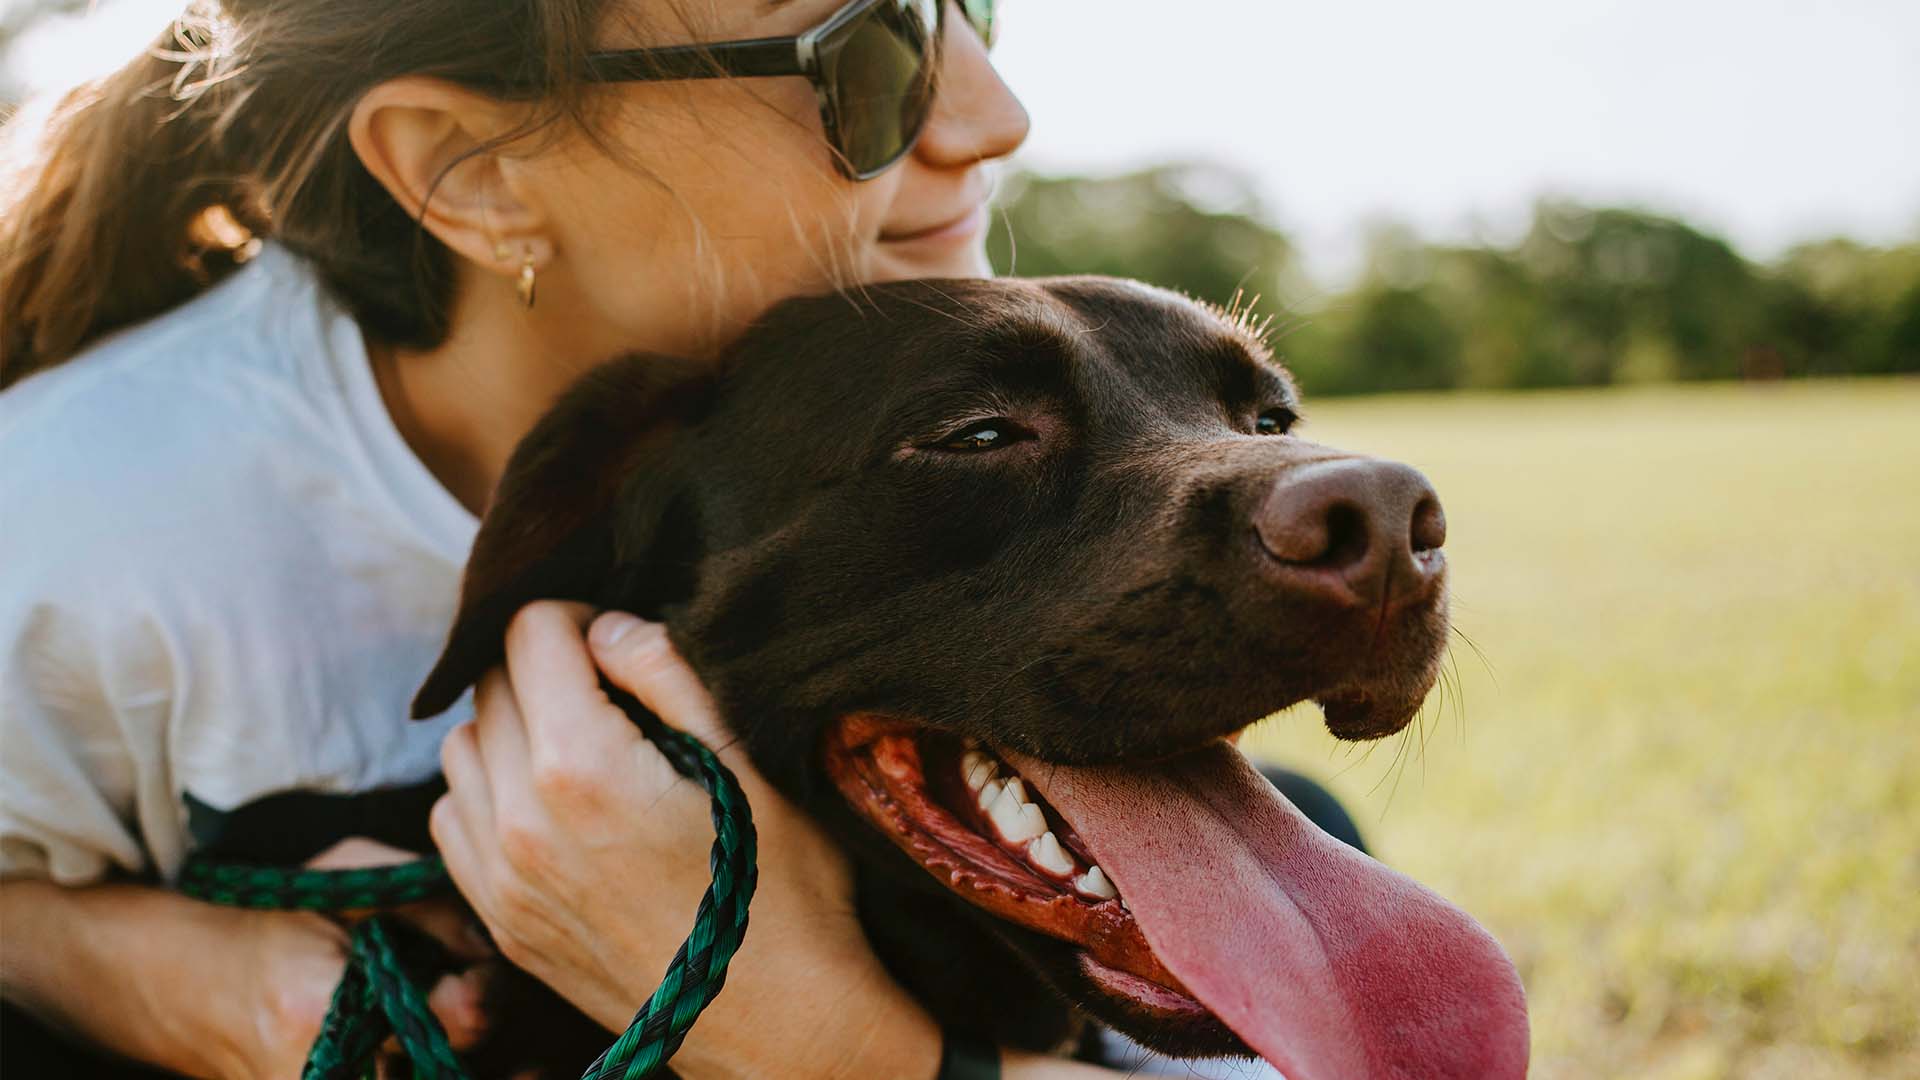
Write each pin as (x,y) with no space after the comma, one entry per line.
(819,546)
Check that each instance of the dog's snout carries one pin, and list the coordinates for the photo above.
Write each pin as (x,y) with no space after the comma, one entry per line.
(1369,530)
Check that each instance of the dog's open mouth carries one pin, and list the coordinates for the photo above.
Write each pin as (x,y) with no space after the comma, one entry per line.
(1194,892)
(975,823)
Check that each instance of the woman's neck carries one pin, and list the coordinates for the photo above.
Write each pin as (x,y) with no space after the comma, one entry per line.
(447,447)
(464,404)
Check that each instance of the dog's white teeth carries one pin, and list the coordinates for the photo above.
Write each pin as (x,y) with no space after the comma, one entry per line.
(1003,812)
(1047,854)
(1094,883)
(1032,824)
(989,794)
(978,768)
(1018,789)
(1016,820)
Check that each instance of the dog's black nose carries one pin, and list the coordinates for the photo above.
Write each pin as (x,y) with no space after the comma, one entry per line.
(1366,531)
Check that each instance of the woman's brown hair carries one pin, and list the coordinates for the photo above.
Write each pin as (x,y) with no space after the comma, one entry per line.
(147,186)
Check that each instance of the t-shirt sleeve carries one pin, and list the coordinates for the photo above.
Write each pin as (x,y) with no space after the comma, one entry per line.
(82,728)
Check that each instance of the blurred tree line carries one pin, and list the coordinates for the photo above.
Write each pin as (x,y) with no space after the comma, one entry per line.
(1589,296)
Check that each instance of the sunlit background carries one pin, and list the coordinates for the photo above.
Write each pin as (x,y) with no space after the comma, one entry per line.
(1769,123)
(1638,284)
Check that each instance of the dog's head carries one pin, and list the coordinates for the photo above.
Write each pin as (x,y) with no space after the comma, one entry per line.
(982,572)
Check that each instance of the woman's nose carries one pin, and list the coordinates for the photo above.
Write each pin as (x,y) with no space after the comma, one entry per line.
(975,116)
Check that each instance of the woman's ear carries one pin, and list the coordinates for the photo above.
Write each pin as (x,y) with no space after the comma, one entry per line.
(429,142)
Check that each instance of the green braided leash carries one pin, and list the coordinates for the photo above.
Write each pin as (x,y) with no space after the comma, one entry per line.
(699,969)
(275,888)
(376,998)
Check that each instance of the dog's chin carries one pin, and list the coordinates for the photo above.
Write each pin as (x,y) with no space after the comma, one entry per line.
(924,790)
(1360,712)
(1386,691)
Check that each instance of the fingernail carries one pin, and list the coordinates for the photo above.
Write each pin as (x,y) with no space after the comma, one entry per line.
(609,628)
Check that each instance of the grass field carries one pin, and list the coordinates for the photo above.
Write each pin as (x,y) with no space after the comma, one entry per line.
(1680,779)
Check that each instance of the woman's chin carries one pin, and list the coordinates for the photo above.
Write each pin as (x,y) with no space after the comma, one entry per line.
(907,260)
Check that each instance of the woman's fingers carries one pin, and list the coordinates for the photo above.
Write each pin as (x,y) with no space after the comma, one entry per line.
(500,744)
(557,687)
(459,1000)
(356,852)
(469,790)
(639,658)
(450,922)
(445,920)
(465,864)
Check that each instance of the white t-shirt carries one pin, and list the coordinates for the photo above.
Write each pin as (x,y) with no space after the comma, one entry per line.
(222,575)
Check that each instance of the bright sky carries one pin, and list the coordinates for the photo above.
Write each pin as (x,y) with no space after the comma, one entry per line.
(1771,121)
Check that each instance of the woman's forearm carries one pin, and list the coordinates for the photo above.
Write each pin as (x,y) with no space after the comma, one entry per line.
(211,992)
(161,978)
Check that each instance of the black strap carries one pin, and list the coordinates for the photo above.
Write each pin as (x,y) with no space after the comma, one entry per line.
(963,1057)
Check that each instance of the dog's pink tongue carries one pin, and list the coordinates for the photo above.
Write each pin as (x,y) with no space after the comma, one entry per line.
(1327,963)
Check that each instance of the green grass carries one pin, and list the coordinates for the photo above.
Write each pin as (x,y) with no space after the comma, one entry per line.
(1681,778)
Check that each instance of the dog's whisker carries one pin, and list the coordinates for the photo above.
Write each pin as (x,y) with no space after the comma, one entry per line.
(1385,775)
(1485,662)
(1439,721)
(1399,747)
(1452,671)
(1349,750)
(1447,689)
(1402,756)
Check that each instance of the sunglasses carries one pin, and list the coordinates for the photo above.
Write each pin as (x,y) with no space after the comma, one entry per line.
(872,63)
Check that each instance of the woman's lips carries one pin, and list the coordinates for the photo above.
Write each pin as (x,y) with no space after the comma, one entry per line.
(964,227)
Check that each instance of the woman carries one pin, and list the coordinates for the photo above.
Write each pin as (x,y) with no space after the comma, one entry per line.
(241,480)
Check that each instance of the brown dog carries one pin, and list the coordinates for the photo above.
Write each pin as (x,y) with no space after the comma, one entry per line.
(982,572)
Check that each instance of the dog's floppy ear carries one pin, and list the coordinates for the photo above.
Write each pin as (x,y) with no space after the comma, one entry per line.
(573,506)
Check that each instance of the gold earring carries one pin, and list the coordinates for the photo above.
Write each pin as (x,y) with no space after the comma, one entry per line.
(526,279)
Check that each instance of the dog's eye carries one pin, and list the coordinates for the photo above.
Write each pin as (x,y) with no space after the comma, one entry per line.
(985,435)
(1275,422)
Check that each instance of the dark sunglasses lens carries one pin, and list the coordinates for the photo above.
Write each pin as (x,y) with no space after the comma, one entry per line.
(881,82)
(980,16)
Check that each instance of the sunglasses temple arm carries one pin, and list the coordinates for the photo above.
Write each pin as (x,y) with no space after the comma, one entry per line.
(736,59)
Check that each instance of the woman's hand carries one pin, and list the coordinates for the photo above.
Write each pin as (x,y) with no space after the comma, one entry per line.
(292,961)
(586,855)
(295,959)
(195,988)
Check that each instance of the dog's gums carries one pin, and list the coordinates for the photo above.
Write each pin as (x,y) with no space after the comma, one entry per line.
(1016,858)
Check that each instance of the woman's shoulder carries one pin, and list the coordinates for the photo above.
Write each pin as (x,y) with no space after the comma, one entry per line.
(167,413)
(229,348)
(237,436)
